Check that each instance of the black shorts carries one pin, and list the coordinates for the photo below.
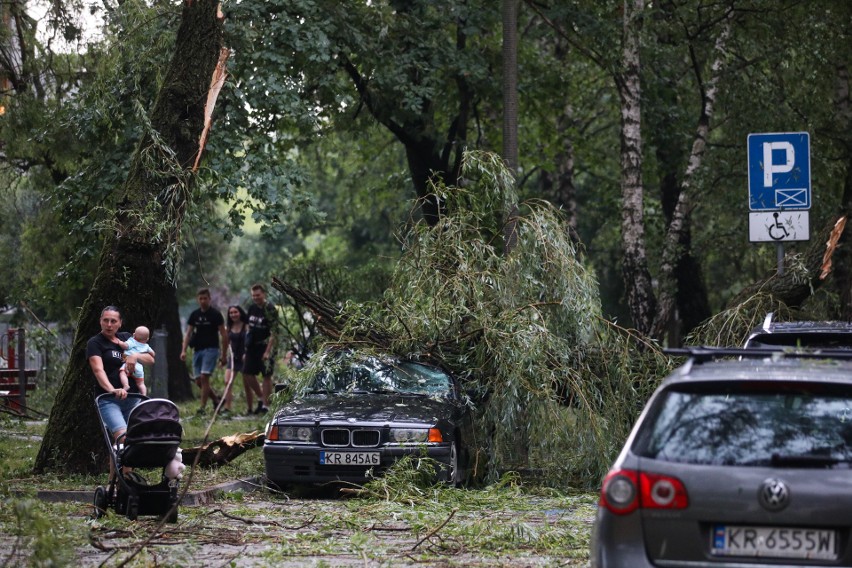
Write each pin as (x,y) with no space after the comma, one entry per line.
(254,363)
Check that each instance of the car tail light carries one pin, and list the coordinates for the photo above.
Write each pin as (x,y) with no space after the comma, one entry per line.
(625,490)
(619,492)
(662,492)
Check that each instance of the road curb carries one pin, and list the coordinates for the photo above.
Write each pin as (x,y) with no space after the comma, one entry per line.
(192,498)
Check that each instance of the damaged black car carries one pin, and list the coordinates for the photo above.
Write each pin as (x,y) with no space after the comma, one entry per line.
(359,414)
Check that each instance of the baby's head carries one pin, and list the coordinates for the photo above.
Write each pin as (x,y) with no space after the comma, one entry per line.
(141,334)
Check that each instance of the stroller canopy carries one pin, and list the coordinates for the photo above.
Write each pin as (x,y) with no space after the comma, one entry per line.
(154,420)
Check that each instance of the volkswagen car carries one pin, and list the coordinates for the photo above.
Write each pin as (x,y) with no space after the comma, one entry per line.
(738,462)
(360,414)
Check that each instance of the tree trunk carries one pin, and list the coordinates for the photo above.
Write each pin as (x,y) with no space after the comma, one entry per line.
(799,281)
(676,255)
(637,278)
(132,266)
(180,384)
(843,256)
(510,113)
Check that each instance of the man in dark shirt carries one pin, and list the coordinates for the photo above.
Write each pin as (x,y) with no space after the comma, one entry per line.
(260,343)
(205,328)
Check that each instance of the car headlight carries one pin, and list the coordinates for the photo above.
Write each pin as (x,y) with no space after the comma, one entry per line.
(293,434)
(409,435)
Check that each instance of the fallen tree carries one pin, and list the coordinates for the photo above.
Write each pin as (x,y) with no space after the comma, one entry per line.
(525,331)
(222,451)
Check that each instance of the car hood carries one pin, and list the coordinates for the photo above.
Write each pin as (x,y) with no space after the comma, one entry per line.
(373,408)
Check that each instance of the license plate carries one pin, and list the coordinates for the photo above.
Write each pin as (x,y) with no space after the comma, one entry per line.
(774,542)
(349,458)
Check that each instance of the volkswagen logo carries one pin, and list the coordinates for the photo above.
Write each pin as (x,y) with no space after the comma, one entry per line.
(774,495)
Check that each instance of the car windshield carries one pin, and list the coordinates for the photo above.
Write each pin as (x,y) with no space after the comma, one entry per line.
(374,376)
(763,424)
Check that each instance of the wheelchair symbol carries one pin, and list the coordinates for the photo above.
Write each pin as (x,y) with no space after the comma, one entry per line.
(779,228)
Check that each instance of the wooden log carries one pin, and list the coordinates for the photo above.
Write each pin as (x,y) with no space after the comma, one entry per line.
(224,450)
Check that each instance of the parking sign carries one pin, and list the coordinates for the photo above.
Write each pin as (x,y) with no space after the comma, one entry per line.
(779,171)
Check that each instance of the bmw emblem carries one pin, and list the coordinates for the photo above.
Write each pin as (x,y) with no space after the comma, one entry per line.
(774,495)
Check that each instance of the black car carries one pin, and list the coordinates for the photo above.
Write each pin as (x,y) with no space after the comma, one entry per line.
(359,415)
(824,335)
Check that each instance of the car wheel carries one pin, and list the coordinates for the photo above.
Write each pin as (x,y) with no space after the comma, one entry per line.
(100,503)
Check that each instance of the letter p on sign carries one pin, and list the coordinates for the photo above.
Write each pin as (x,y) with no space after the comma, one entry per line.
(769,167)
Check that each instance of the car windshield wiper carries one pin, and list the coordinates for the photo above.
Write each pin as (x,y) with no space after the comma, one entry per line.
(807,460)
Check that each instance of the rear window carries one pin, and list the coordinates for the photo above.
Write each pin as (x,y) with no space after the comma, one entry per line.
(759,424)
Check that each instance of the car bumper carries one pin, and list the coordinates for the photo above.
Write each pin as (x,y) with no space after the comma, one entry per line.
(286,463)
(618,542)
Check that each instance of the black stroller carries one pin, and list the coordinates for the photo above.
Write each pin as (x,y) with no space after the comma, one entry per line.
(152,440)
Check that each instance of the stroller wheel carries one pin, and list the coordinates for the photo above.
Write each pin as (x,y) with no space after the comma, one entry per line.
(100,503)
(172,516)
(133,508)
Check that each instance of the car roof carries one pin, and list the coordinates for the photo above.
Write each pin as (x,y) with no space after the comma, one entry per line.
(789,331)
(707,364)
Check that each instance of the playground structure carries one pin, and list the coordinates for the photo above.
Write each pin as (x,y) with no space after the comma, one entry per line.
(15,379)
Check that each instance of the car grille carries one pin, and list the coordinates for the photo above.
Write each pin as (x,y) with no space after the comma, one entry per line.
(365,438)
(342,437)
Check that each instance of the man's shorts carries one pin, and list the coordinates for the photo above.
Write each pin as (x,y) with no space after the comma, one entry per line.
(114,412)
(254,363)
(204,361)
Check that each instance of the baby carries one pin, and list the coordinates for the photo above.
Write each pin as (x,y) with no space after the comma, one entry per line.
(137,344)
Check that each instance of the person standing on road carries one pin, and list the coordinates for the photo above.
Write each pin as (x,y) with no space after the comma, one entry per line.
(260,343)
(237,329)
(204,329)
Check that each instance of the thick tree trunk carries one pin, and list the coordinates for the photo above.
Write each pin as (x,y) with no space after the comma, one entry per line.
(637,277)
(131,271)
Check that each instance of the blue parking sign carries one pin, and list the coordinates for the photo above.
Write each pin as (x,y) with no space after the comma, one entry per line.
(779,171)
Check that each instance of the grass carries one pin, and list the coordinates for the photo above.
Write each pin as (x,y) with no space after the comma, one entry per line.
(399,519)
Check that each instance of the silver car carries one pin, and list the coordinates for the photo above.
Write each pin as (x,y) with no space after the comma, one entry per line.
(735,463)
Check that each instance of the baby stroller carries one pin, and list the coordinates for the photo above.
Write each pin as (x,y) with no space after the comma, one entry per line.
(152,440)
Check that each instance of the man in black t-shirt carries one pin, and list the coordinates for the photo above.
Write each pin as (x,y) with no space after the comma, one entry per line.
(205,329)
(260,344)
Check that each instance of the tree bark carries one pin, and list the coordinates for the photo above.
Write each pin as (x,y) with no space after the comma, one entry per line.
(132,269)
(799,282)
(637,277)
(843,256)
(675,248)
(510,114)
(179,382)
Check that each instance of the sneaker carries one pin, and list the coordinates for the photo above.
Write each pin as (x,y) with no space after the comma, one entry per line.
(263,410)
(225,414)
(259,408)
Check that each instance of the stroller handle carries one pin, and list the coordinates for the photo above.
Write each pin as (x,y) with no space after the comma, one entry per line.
(129,395)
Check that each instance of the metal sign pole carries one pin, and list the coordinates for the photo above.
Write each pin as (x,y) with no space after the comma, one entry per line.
(779,248)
